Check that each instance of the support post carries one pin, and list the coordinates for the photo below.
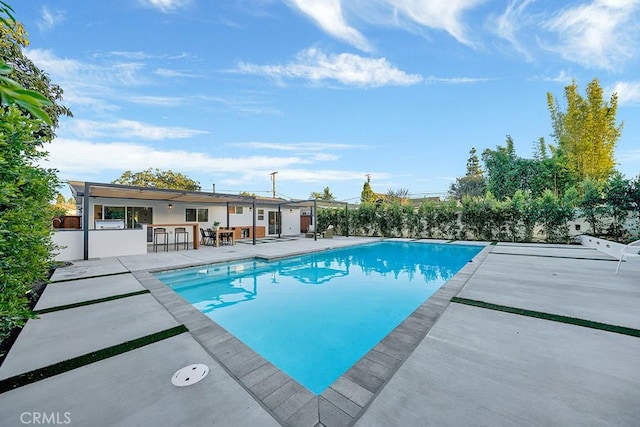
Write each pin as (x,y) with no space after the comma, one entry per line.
(315,219)
(254,221)
(279,222)
(346,218)
(85,219)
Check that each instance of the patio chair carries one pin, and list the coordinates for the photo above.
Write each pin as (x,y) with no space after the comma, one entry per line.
(328,233)
(309,232)
(632,250)
(205,237)
(159,232)
(180,232)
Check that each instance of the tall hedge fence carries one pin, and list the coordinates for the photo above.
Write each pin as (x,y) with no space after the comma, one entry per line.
(520,219)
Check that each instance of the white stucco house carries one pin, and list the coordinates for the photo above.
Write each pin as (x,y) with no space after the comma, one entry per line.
(118,219)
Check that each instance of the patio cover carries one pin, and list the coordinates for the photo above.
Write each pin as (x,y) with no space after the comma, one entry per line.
(80,189)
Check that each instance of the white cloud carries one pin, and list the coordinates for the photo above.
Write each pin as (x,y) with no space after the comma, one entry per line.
(50,18)
(440,15)
(90,76)
(630,156)
(165,5)
(331,16)
(70,157)
(172,74)
(164,101)
(628,92)
(599,34)
(328,14)
(456,80)
(125,129)
(300,146)
(347,69)
(509,24)
(563,77)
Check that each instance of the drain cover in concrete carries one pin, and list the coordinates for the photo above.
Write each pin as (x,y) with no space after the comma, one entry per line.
(189,375)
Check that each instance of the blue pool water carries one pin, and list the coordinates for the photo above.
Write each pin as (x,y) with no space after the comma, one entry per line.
(314,316)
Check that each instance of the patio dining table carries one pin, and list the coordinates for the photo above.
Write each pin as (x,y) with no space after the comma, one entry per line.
(223,232)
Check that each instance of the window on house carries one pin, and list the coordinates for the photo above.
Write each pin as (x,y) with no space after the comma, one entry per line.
(577,227)
(236,210)
(260,214)
(190,215)
(114,212)
(203,215)
(138,215)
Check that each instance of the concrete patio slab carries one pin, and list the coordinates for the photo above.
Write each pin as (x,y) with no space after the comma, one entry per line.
(63,293)
(89,268)
(475,366)
(483,367)
(556,251)
(62,335)
(135,389)
(582,288)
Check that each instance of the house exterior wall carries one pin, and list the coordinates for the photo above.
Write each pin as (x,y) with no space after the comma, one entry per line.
(102,243)
(133,241)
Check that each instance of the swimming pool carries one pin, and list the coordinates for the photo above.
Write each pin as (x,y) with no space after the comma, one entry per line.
(314,316)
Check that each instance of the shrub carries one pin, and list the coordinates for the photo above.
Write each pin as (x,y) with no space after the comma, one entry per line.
(25,216)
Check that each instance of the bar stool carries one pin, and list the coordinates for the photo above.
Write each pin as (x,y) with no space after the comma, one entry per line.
(157,233)
(180,231)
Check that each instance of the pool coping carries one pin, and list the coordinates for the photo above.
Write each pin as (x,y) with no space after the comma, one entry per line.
(289,402)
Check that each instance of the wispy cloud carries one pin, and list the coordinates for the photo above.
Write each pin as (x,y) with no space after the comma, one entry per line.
(328,14)
(125,129)
(162,101)
(332,16)
(510,23)
(628,92)
(455,80)
(70,156)
(50,18)
(172,74)
(244,103)
(439,15)
(165,5)
(74,72)
(347,69)
(630,156)
(563,77)
(300,146)
(598,35)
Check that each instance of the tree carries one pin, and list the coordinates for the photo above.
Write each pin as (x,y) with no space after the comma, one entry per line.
(367,195)
(24,84)
(473,183)
(501,170)
(399,195)
(325,195)
(592,205)
(618,193)
(26,189)
(586,132)
(156,178)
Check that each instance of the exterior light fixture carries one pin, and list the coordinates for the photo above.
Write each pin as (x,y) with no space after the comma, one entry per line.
(170,206)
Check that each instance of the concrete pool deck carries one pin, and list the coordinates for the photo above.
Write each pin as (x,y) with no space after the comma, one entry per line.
(463,365)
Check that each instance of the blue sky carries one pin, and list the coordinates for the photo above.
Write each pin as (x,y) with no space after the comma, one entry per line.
(322,91)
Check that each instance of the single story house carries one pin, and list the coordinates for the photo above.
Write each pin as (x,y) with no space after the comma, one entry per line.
(118,220)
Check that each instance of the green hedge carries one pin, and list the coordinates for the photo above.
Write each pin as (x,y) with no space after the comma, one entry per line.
(25,216)
(475,218)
